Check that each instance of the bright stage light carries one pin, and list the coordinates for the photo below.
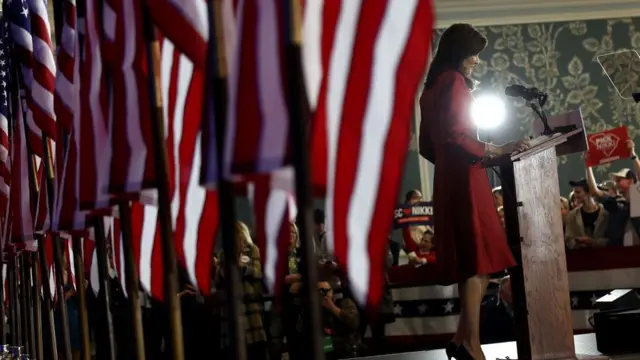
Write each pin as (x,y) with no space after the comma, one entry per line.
(488,111)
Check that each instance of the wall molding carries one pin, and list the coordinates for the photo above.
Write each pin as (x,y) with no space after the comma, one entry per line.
(508,12)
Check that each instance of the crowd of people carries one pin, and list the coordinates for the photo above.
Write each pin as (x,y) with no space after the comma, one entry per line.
(273,327)
(594,215)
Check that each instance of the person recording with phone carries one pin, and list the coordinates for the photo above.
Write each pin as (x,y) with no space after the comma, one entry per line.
(341,321)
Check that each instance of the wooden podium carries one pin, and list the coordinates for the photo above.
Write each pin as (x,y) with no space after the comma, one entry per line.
(540,284)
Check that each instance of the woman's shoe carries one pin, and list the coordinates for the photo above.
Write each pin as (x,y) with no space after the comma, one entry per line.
(462,353)
(451,350)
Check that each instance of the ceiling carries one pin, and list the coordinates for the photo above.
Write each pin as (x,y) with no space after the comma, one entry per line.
(504,12)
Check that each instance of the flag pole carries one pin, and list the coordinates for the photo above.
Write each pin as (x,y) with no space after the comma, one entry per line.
(13,326)
(298,136)
(62,301)
(131,276)
(3,329)
(17,335)
(23,303)
(78,263)
(162,180)
(25,286)
(216,83)
(105,286)
(47,296)
(36,286)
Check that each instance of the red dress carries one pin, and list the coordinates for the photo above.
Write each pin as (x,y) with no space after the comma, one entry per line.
(471,240)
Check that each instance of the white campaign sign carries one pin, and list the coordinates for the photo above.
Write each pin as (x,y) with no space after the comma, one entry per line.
(634,199)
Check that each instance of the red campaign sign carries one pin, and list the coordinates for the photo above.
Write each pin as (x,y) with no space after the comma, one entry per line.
(608,146)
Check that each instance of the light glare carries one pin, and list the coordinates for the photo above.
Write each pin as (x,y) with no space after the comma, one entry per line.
(488,111)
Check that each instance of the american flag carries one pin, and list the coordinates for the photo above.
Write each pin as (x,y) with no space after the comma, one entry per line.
(65,94)
(5,116)
(44,69)
(91,129)
(194,209)
(257,131)
(20,25)
(186,24)
(132,167)
(66,213)
(363,66)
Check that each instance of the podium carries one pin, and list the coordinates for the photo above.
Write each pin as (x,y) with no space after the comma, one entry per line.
(539,283)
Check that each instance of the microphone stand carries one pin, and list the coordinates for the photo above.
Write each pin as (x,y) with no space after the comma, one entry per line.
(537,108)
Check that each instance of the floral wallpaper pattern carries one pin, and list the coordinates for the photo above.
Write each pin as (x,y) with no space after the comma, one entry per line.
(560,59)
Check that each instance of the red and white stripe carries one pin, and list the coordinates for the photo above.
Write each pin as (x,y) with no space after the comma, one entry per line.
(363,66)
(194,209)
(91,129)
(274,209)
(44,69)
(67,215)
(186,24)
(5,164)
(65,90)
(257,132)
(23,48)
(20,208)
(132,167)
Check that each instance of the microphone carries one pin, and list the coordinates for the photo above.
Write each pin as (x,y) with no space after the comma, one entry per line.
(524,92)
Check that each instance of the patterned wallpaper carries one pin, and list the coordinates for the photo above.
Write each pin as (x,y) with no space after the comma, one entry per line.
(559,58)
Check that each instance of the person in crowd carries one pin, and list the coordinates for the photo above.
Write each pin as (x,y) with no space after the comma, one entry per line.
(609,187)
(412,234)
(248,259)
(422,252)
(574,201)
(199,327)
(323,256)
(341,321)
(385,315)
(285,318)
(622,229)
(564,211)
(498,196)
(471,242)
(564,206)
(412,197)
(587,225)
(320,236)
(501,216)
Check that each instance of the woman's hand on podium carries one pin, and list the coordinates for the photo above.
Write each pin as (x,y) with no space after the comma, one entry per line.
(515,147)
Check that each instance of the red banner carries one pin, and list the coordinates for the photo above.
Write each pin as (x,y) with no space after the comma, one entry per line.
(608,146)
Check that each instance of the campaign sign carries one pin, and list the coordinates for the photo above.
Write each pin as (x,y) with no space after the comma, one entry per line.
(608,146)
(418,214)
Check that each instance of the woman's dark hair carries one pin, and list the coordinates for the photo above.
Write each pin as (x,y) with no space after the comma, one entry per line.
(456,44)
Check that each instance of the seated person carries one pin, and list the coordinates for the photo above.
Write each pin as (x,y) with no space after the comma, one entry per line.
(341,321)
(422,252)
(586,226)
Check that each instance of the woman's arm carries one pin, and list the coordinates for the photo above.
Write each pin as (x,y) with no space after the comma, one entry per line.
(458,127)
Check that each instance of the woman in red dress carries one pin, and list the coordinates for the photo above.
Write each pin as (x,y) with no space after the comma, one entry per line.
(471,242)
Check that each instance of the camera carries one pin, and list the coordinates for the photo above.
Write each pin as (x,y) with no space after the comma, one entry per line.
(323,292)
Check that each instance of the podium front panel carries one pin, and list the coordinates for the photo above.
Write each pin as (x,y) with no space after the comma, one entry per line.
(542,249)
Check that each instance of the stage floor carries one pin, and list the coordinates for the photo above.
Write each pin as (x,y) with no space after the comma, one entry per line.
(585,345)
